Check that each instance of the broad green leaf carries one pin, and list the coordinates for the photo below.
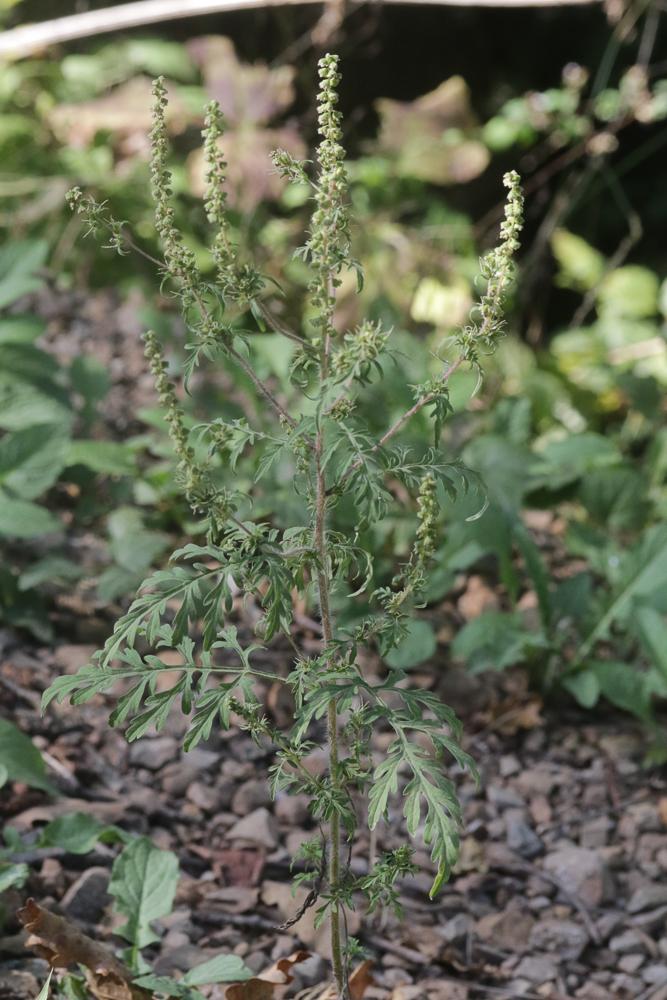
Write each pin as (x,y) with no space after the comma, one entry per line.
(495,641)
(418,645)
(4,775)
(629,291)
(623,685)
(651,627)
(581,266)
(21,329)
(23,403)
(32,459)
(12,875)
(23,519)
(584,686)
(643,573)
(221,969)
(51,569)
(21,758)
(133,545)
(77,833)
(19,263)
(106,457)
(143,884)
(562,462)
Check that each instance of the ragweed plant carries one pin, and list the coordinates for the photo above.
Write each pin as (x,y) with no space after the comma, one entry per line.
(321,431)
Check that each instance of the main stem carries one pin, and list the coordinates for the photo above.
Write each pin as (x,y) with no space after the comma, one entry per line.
(334,845)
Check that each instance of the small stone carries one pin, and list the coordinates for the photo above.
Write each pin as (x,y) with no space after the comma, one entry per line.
(520,836)
(292,809)
(249,796)
(564,937)
(457,928)
(203,796)
(595,832)
(581,872)
(537,968)
(647,897)
(508,930)
(655,975)
(504,798)
(177,777)
(631,963)
(258,826)
(626,942)
(509,765)
(153,753)
(87,898)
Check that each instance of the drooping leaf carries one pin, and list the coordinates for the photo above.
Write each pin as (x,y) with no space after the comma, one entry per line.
(23,519)
(221,969)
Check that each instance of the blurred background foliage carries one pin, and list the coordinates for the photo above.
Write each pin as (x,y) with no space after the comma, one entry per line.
(568,429)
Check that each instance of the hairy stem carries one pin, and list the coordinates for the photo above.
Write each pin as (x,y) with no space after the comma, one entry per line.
(334,845)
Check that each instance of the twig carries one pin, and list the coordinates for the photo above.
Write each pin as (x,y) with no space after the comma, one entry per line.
(24,41)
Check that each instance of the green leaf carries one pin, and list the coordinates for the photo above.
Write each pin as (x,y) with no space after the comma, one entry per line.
(221,969)
(77,833)
(4,775)
(32,459)
(581,266)
(418,645)
(44,992)
(19,262)
(109,458)
(651,628)
(629,291)
(23,519)
(643,573)
(12,875)
(21,329)
(21,759)
(143,884)
(584,686)
(562,462)
(495,641)
(51,569)
(623,686)
(133,546)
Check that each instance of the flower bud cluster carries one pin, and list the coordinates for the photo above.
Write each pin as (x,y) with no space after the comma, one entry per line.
(360,352)
(179,259)
(96,216)
(289,167)
(329,236)
(497,267)
(215,199)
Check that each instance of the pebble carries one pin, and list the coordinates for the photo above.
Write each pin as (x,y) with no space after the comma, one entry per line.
(291,809)
(153,753)
(504,798)
(655,975)
(647,897)
(581,872)
(259,827)
(537,968)
(564,937)
(626,942)
(249,796)
(631,963)
(520,836)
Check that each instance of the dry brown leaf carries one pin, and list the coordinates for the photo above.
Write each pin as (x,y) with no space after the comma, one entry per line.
(359,981)
(262,987)
(63,946)
(125,112)
(416,132)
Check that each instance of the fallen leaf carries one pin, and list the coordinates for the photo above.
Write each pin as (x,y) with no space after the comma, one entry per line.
(262,987)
